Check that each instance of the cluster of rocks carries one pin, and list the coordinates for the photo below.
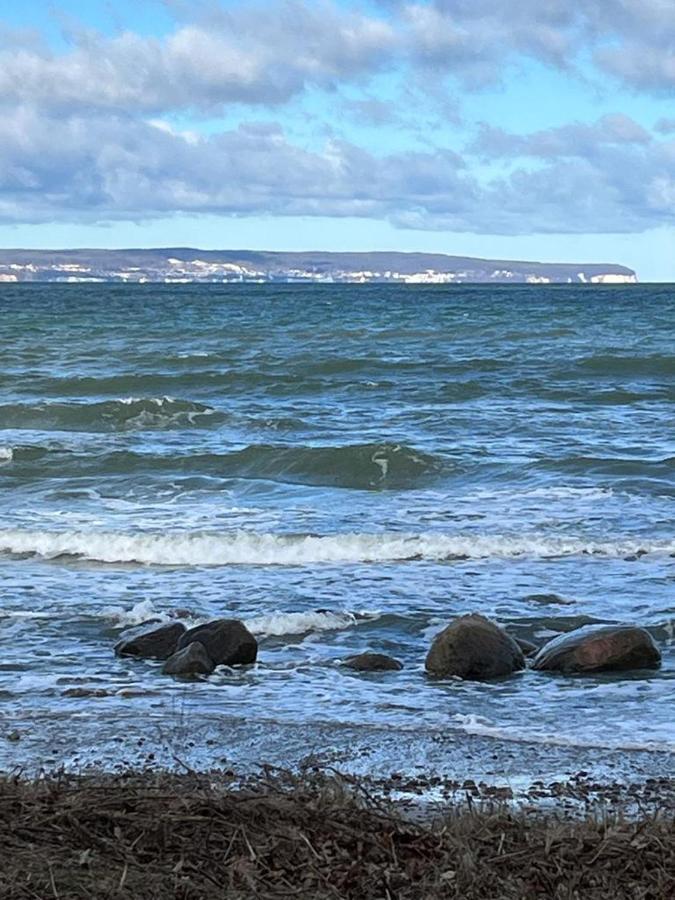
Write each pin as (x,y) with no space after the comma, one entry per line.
(192,651)
(471,647)
(475,648)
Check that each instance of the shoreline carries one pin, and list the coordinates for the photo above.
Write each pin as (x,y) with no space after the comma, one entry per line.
(425,769)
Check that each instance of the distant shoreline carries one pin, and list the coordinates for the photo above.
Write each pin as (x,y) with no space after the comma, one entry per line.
(187,265)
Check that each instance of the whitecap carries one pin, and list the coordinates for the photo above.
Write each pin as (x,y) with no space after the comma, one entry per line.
(279,623)
(140,612)
(268,549)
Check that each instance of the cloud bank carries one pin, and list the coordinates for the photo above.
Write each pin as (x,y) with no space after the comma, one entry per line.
(86,133)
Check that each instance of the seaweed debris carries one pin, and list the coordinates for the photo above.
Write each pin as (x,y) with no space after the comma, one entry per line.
(150,835)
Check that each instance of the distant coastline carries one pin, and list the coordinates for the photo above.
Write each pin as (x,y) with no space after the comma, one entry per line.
(182,265)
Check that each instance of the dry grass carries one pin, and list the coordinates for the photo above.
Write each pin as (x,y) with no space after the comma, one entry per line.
(148,836)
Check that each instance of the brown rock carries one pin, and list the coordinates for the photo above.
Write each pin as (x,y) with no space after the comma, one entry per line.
(191,660)
(227,641)
(604,648)
(153,643)
(85,692)
(474,648)
(372,662)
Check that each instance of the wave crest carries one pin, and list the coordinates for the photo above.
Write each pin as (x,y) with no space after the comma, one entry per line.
(265,549)
(361,466)
(128,414)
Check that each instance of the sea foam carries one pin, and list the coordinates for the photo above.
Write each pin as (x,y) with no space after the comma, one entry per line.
(265,549)
(273,624)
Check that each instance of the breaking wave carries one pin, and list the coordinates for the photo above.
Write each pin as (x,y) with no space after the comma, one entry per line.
(264,549)
(274,624)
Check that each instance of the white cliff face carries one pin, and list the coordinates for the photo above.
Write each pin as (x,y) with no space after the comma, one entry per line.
(159,265)
(614,279)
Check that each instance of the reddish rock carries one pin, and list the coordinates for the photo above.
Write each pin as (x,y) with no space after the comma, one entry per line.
(372,662)
(606,648)
(475,648)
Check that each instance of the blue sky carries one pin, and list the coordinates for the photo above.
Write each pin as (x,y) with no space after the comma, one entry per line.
(539,130)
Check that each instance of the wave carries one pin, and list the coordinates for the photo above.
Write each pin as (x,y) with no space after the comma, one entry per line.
(478,725)
(620,466)
(359,466)
(132,413)
(231,381)
(277,624)
(265,549)
(652,366)
(274,624)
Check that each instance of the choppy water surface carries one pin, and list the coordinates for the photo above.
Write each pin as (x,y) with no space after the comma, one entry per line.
(345,469)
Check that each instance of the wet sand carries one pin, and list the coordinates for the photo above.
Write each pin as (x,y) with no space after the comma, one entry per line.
(427,768)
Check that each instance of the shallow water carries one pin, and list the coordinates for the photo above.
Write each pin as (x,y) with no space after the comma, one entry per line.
(345,468)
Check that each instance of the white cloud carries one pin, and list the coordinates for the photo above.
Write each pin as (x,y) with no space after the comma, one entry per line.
(87,134)
(254,55)
(108,166)
(267,53)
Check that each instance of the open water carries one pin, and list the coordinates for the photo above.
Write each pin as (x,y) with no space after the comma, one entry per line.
(344,468)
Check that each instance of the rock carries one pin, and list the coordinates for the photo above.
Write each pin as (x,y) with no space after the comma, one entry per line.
(191,660)
(85,692)
(153,643)
(635,556)
(474,648)
(227,641)
(372,662)
(602,648)
(549,599)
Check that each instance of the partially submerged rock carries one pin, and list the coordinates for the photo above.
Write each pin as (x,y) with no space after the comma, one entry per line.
(191,660)
(615,648)
(372,662)
(85,692)
(150,643)
(475,648)
(228,642)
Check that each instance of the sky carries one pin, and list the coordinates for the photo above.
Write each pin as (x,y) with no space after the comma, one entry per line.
(521,129)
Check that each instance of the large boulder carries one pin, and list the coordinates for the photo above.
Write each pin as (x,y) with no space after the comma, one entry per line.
(474,648)
(227,641)
(603,648)
(191,660)
(372,662)
(150,643)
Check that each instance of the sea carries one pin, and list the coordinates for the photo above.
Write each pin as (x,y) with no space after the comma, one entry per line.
(345,468)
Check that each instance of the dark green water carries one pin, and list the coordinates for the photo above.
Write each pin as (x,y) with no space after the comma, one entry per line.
(393,455)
